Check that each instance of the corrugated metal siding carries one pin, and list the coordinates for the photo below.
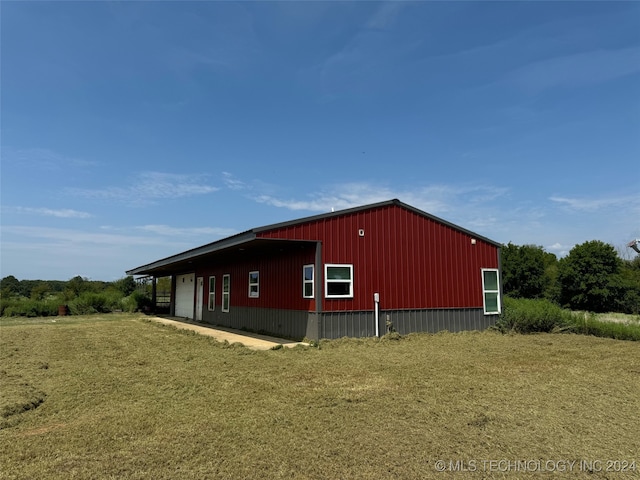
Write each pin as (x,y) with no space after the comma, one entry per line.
(414,262)
(362,324)
(278,322)
(298,324)
(452,319)
(280,279)
(347,324)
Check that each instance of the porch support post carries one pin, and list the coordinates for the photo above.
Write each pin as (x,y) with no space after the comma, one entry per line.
(154,302)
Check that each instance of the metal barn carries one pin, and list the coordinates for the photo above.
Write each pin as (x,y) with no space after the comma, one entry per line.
(355,272)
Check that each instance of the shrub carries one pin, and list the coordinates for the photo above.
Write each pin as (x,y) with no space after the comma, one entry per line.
(589,324)
(527,316)
(128,304)
(27,307)
(108,301)
(135,302)
(89,302)
(7,304)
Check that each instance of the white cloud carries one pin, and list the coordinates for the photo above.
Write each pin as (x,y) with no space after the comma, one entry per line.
(48,212)
(173,231)
(581,69)
(43,158)
(594,203)
(74,237)
(339,197)
(385,15)
(42,252)
(232,182)
(559,249)
(435,199)
(148,187)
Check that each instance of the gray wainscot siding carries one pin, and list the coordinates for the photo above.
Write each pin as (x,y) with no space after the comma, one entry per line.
(361,324)
(270,321)
(297,324)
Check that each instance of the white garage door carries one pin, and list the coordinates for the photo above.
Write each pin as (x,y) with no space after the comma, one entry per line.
(185,289)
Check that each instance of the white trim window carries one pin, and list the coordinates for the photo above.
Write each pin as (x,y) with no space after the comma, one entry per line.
(491,291)
(212,294)
(226,292)
(307,281)
(338,281)
(254,284)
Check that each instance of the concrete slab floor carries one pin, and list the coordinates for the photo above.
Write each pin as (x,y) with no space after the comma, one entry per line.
(254,341)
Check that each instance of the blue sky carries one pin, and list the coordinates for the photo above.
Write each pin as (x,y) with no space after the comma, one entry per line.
(135,130)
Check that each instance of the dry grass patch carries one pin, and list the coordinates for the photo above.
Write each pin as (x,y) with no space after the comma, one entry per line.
(125,398)
(619,318)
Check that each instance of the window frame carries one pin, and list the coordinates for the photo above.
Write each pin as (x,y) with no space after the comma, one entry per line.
(486,291)
(306,282)
(255,284)
(212,294)
(226,295)
(327,280)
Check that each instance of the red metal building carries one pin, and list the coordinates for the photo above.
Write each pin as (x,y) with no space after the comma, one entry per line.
(353,272)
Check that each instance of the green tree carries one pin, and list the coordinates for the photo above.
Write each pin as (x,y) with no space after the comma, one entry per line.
(629,299)
(10,286)
(126,285)
(40,290)
(552,286)
(76,286)
(524,271)
(589,277)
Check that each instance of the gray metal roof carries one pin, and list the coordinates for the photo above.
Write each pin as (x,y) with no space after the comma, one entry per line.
(223,244)
(249,237)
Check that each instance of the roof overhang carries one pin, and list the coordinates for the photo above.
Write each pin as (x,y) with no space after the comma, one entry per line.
(227,250)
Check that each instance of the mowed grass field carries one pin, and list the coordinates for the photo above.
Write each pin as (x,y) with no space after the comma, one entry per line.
(118,396)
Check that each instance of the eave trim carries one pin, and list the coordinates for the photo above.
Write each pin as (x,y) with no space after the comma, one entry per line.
(225,243)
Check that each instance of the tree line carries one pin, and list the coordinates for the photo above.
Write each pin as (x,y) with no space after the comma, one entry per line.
(592,277)
(39,289)
(35,298)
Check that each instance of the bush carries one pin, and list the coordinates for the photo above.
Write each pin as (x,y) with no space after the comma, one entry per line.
(128,304)
(26,307)
(136,302)
(588,324)
(528,316)
(89,302)
(7,304)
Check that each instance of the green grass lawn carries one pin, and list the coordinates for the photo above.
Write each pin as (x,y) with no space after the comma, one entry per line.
(116,396)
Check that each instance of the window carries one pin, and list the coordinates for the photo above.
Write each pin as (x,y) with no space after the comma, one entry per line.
(254,284)
(338,281)
(491,291)
(307,281)
(226,292)
(212,294)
